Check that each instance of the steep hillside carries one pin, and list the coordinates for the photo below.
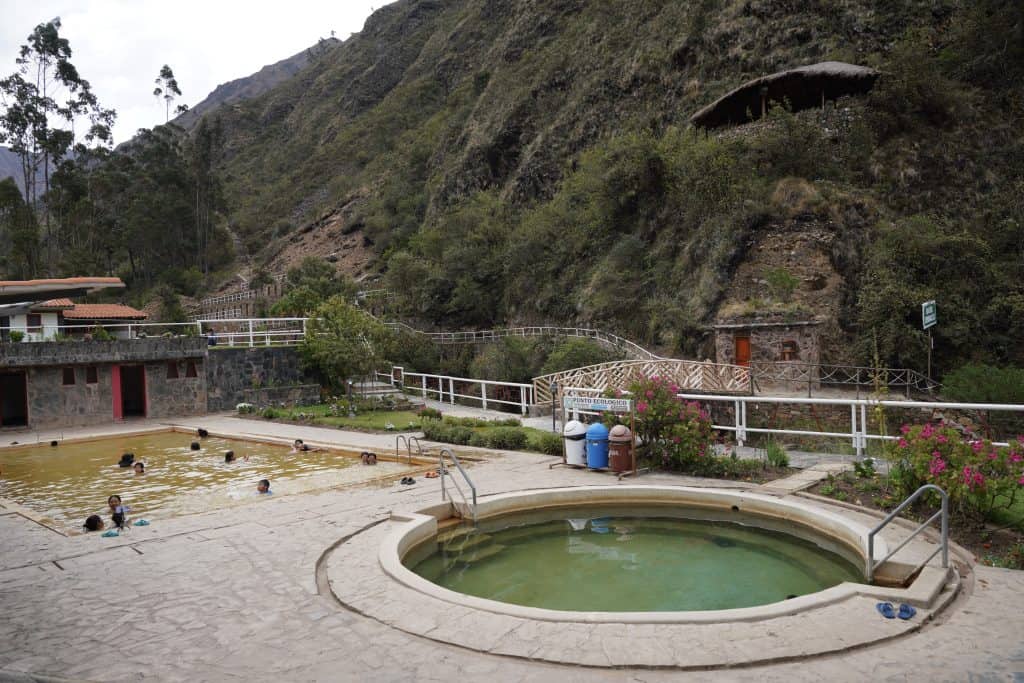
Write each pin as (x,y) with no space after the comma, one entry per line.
(532,161)
(255,84)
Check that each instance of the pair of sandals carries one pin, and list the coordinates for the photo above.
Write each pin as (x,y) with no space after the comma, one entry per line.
(889,612)
(408,481)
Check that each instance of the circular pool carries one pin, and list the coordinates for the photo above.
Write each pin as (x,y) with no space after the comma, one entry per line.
(626,559)
(631,554)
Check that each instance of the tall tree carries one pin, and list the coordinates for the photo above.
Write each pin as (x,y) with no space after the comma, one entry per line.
(167,89)
(41,102)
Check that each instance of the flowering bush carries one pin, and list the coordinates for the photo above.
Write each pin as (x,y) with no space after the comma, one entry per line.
(674,432)
(977,476)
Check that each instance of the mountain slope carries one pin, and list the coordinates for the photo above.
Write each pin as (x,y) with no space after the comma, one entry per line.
(255,84)
(531,161)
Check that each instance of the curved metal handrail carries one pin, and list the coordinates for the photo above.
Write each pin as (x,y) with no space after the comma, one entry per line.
(944,541)
(443,472)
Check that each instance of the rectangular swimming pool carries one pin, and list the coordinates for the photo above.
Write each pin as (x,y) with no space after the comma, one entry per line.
(62,485)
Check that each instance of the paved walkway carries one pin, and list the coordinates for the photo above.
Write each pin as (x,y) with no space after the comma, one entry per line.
(232,595)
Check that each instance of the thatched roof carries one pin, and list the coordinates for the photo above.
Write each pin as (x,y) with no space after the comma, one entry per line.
(803,87)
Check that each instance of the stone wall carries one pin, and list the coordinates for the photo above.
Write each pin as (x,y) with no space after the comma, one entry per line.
(52,404)
(295,395)
(182,395)
(231,372)
(36,354)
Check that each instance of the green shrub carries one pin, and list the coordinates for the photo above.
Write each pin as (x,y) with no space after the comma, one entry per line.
(978,383)
(547,443)
(270,413)
(16,336)
(99,333)
(978,477)
(426,413)
(506,438)
(676,434)
(479,440)
(776,455)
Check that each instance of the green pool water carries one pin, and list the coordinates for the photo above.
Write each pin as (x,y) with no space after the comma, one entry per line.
(616,561)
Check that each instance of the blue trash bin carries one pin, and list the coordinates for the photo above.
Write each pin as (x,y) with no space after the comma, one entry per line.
(597,446)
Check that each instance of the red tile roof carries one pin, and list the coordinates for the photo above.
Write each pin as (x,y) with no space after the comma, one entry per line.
(63,281)
(54,304)
(103,312)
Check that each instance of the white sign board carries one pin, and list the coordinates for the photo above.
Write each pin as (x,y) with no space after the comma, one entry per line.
(929,314)
(598,404)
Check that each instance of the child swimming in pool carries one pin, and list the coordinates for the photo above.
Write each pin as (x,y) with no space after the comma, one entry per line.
(264,487)
(299,445)
(140,468)
(93,523)
(119,512)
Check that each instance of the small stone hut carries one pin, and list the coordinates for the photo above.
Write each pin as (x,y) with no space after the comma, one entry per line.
(767,341)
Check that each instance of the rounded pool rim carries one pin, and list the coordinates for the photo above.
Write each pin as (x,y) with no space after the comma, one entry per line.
(416,528)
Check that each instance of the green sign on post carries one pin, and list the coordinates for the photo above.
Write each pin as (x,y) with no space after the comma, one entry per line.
(929,314)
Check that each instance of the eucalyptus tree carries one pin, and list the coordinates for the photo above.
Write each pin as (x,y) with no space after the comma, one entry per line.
(40,105)
(167,89)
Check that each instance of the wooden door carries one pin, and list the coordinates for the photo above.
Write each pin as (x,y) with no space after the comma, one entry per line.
(743,351)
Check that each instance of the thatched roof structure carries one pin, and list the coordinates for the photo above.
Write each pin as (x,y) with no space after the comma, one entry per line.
(803,87)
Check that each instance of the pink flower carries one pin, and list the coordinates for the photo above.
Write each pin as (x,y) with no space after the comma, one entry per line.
(641,406)
(993,455)
(905,429)
(676,439)
(937,467)
(977,446)
(1015,457)
(927,431)
(941,438)
(649,393)
(936,454)
(903,443)
(674,388)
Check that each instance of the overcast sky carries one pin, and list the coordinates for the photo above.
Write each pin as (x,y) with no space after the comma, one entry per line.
(120,45)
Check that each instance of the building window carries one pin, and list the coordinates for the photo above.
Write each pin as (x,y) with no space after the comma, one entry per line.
(34,323)
(790,351)
(172,369)
(191,370)
(91,376)
(69,377)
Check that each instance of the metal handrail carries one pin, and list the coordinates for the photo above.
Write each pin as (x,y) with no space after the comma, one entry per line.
(944,541)
(443,472)
(408,446)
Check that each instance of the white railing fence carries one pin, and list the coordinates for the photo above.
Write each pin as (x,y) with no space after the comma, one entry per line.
(248,332)
(447,389)
(859,433)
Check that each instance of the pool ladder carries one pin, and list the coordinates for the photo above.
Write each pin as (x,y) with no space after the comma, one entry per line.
(408,446)
(942,514)
(444,472)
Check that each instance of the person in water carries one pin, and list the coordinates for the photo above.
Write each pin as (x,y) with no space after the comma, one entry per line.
(93,523)
(264,487)
(300,446)
(368,458)
(119,512)
(229,456)
(140,467)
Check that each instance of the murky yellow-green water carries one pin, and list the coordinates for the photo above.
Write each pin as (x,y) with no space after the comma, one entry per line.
(67,483)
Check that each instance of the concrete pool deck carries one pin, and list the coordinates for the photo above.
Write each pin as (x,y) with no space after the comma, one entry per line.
(234,595)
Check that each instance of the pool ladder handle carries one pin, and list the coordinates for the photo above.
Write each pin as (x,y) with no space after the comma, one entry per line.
(944,541)
(445,472)
(408,446)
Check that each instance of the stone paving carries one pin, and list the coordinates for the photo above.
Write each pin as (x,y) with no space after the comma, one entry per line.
(233,595)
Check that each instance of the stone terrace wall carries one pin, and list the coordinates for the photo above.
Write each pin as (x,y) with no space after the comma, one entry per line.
(231,373)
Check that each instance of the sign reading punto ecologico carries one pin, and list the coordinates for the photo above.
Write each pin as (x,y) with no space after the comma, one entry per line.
(598,404)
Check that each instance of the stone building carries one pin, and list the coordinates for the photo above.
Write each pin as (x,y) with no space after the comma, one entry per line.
(75,383)
(762,342)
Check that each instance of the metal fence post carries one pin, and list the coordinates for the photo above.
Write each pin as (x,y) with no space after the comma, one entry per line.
(423,385)
(250,333)
(483,394)
(451,389)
